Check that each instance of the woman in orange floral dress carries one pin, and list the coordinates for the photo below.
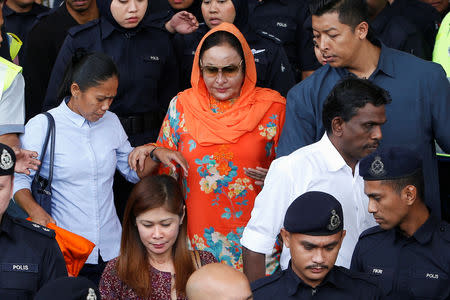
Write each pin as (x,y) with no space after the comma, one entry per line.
(221,125)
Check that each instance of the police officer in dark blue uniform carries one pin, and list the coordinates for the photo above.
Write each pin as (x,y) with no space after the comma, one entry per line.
(313,232)
(272,65)
(146,62)
(29,254)
(285,19)
(409,252)
(396,31)
(19,16)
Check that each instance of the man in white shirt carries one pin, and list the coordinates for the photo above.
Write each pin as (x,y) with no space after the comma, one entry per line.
(352,116)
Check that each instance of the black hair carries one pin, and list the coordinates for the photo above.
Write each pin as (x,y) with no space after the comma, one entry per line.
(348,95)
(415,179)
(219,38)
(87,70)
(350,12)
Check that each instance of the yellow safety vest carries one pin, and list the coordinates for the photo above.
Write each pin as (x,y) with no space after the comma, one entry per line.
(11,70)
(441,52)
(14,45)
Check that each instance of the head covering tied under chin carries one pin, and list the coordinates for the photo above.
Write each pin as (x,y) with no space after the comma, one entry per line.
(7,160)
(208,128)
(104,8)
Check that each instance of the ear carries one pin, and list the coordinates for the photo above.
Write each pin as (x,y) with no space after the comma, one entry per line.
(361,30)
(337,126)
(184,213)
(75,89)
(409,194)
(344,232)
(286,237)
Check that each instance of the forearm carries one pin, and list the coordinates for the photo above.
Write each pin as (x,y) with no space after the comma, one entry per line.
(254,264)
(10,139)
(25,199)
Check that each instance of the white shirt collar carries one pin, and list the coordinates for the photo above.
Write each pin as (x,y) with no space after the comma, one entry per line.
(332,156)
(77,119)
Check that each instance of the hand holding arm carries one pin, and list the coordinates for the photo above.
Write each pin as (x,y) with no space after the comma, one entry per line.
(259,174)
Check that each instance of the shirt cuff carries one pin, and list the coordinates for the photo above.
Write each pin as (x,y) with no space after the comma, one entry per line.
(12,128)
(257,242)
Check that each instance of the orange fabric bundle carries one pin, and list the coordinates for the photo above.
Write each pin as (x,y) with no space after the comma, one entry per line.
(75,248)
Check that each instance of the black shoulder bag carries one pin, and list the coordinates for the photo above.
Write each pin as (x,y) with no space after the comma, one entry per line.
(41,188)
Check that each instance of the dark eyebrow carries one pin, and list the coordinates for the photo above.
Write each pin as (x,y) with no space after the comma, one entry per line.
(331,244)
(308,244)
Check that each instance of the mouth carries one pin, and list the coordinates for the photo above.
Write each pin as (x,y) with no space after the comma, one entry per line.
(158,246)
(215,21)
(80,2)
(222,90)
(378,219)
(132,20)
(328,59)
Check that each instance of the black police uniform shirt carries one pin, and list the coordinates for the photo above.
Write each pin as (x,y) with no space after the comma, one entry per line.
(395,31)
(21,23)
(43,43)
(418,266)
(148,72)
(425,17)
(284,19)
(339,284)
(272,65)
(29,258)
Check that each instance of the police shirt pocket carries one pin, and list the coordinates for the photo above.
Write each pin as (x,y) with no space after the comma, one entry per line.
(151,67)
(429,284)
(383,277)
(17,280)
(262,65)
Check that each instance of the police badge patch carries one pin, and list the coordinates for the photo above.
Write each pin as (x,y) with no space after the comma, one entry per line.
(6,161)
(377,167)
(335,221)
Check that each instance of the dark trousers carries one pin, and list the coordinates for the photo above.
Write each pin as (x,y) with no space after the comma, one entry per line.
(94,272)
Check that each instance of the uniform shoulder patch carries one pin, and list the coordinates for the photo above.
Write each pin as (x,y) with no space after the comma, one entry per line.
(35,227)
(269,36)
(371,231)
(262,282)
(76,29)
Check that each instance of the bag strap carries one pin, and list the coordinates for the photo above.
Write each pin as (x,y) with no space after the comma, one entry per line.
(50,133)
(196,258)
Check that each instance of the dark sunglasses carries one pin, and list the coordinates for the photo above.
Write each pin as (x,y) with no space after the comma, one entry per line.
(227,71)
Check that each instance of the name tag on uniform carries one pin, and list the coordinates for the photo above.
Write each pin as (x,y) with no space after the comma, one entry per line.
(432,276)
(18,267)
(377,271)
(151,58)
(279,24)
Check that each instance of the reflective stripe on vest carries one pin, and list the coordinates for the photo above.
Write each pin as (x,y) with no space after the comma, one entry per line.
(8,72)
(441,52)
(14,45)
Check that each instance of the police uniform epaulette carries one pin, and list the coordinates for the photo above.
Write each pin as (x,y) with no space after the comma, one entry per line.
(370,231)
(76,29)
(269,36)
(444,230)
(35,227)
(262,282)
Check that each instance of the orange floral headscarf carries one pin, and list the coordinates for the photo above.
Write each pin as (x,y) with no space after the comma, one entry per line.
(209,128)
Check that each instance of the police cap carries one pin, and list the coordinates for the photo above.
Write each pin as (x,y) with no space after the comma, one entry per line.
(314,213)
(7,160)
(390,163)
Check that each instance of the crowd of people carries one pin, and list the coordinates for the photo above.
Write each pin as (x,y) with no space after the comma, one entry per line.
(228,149)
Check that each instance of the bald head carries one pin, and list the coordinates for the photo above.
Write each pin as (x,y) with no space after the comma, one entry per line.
(218,282)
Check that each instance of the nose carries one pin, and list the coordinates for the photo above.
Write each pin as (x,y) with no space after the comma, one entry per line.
(157,233)
(377,134)
(323,44)
(220,78)
(372,207)
(213,6)
(132,7)
(318,256)
(106,104)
